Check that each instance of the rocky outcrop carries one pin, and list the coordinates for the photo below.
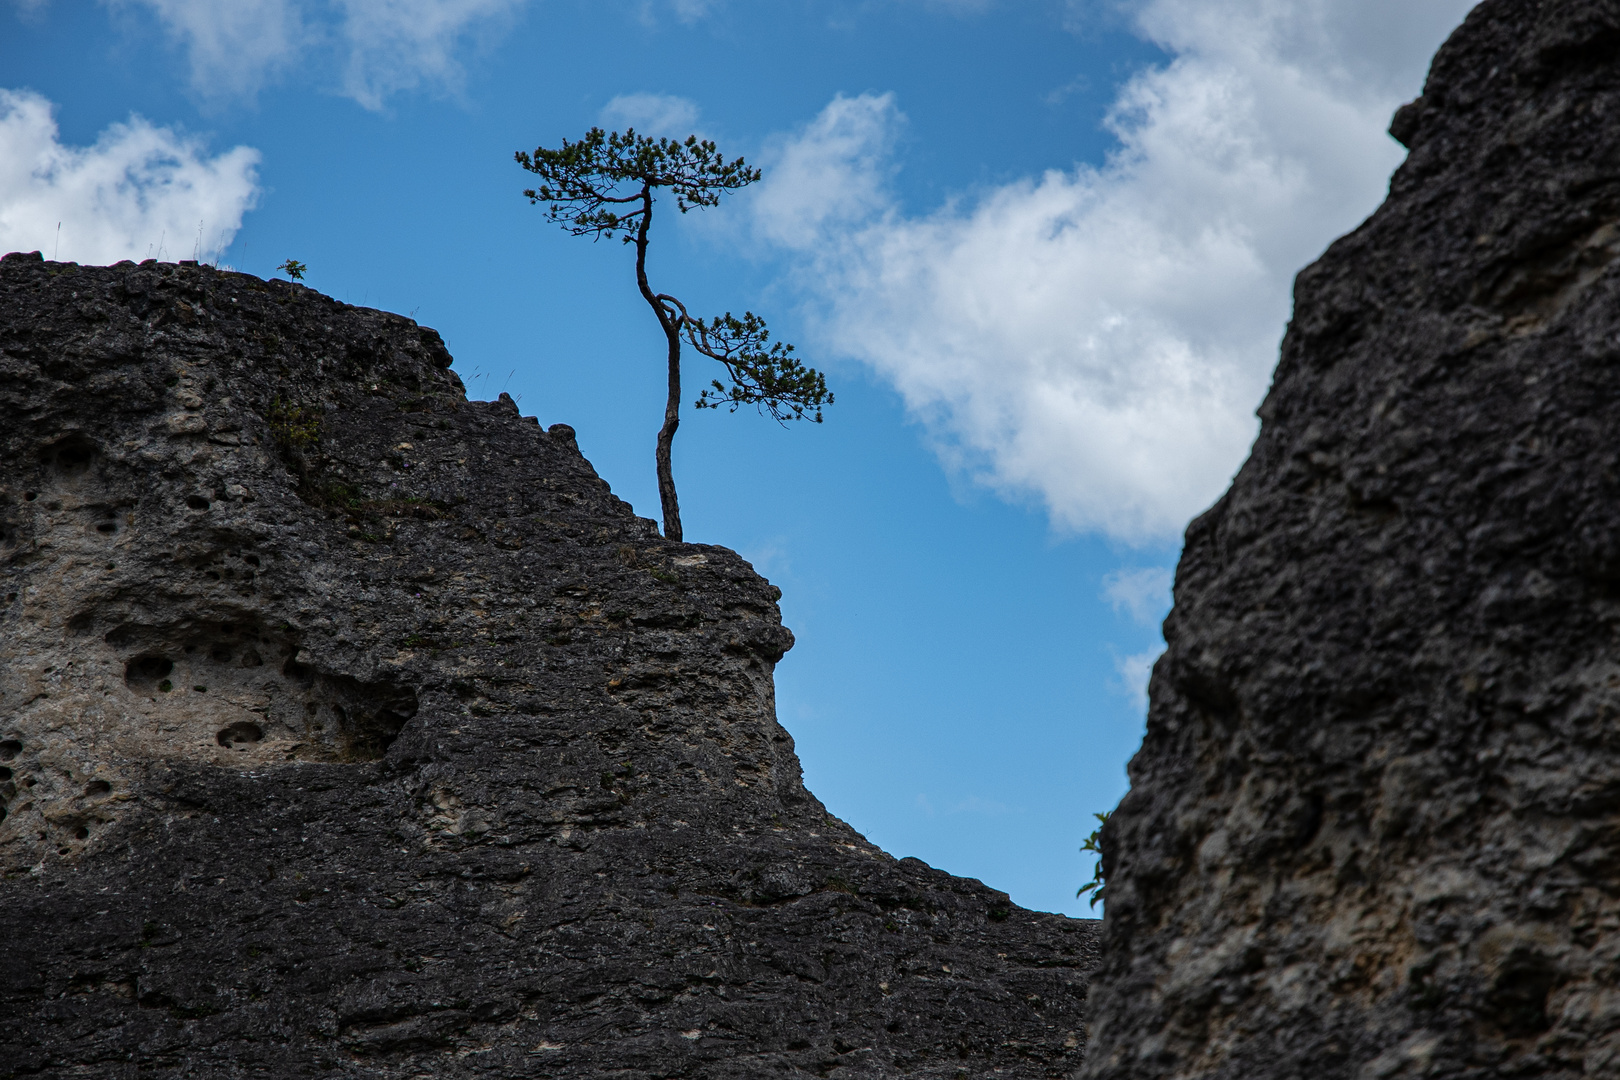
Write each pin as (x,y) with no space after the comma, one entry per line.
(352,728)
(1374,829)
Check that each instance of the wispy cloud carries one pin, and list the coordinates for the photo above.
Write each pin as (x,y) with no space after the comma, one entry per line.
(232,47)
(139,188)
(1134,672)
(396,45)
(1142,591)
(1100,337)
(653,114)
(376,48)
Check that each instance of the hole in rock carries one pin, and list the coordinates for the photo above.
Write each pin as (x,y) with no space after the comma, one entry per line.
(107,527)
(70,457)
(81,623)
(240,735)
(81,833)
(220,654)
(370,737)
(97,787)
(251,560)
(146,670)
(5,773)
(9,749)
(30,496)
(196,502)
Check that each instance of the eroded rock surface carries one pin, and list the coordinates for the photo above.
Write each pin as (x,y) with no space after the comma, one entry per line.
(348,727)
(1374,830)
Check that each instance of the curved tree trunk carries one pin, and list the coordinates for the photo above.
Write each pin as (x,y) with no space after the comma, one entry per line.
(672,404)
(666,438)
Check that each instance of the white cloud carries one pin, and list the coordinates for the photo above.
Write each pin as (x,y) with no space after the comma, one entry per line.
(232,46)
(1142,591)
(653,114)
(829,179)
(137,189)
(381,46)
(1099,337)
(397,44)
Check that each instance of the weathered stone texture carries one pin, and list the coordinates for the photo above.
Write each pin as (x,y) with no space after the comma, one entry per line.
(1374,830)
(353,728)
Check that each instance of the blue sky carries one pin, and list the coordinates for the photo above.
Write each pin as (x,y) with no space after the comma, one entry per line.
(1041,249)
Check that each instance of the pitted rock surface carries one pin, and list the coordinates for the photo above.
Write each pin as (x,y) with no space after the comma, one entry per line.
(353,728)
(1374,829)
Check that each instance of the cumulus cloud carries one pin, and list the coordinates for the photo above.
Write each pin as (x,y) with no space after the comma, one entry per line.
(1143,592)
(138,189)
(381,46)
(662,115)
(1099,337)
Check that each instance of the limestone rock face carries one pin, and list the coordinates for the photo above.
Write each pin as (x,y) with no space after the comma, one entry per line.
(352,728)
(1374,829)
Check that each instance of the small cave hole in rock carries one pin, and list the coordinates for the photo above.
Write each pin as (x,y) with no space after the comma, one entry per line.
(5,773)
(30,496)
(240,735)
(81,833)
(196,502)
(97,787)
(107,527)
(220,654)
(9,749)
(82,623)
(70,457)
(145,671)
(251,657)
(251,560)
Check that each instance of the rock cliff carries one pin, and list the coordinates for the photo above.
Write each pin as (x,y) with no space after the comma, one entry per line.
(1374,829)
(353,728)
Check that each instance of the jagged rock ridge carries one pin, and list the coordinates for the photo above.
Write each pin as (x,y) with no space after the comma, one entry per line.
(1374,829)
(352,728)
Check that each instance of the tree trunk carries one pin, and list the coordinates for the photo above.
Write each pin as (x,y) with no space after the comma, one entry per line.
(666,437)
(672,404)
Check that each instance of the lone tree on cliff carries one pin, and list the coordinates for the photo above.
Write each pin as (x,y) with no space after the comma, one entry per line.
(603,185)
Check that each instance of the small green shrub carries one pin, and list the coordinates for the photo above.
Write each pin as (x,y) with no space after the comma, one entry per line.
(1099,877)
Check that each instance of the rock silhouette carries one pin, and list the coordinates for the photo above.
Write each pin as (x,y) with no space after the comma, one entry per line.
(349,727)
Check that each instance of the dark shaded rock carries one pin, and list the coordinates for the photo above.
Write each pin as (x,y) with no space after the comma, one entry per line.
(1374,830)
(348,727)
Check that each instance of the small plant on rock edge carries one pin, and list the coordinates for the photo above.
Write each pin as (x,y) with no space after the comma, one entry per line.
(1093,845)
